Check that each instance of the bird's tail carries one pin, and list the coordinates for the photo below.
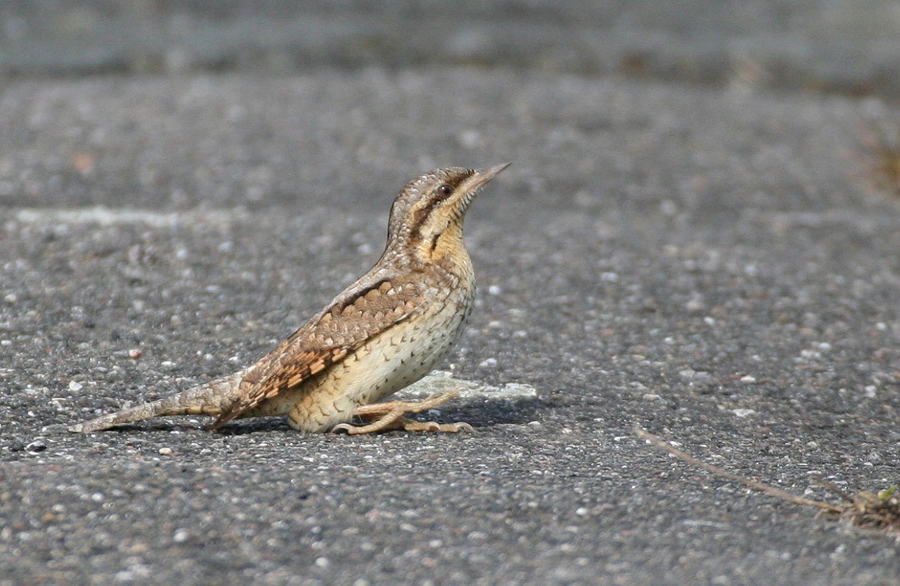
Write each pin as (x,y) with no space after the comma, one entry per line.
(207,399)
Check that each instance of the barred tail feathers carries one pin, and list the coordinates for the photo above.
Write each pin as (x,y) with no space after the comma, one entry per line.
(207,399)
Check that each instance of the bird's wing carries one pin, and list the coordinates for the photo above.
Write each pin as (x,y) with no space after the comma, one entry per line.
(354,317)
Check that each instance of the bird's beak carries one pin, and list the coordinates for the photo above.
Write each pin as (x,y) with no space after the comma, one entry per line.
(482,176)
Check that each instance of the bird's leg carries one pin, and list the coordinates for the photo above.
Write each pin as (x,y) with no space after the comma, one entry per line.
(391,416)
(406,406)
(390,420)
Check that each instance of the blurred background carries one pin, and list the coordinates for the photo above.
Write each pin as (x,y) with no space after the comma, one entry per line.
(819,45)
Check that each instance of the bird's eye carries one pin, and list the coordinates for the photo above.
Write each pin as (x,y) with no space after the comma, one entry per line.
(444,190)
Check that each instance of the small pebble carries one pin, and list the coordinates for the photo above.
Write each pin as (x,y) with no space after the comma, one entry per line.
(747,379)
(36,446)
(469,138)
(135,353)
(165,451)
(668,207)
(695,304)
(489,363)
(74,386)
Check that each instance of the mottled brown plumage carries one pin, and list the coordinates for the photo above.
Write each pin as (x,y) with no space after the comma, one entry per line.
(383,332)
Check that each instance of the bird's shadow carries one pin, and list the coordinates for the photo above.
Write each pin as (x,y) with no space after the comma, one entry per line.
(481,414)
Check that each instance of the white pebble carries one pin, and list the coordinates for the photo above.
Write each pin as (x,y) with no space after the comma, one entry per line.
(489,363)
(695,304)
(74,386)
(469,138)
(165,451)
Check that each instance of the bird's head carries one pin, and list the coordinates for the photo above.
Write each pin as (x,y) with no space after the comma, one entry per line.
(435,205)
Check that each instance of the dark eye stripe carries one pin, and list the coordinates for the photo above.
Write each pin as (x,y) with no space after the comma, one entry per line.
(438,196)
(423,213)
(453,182)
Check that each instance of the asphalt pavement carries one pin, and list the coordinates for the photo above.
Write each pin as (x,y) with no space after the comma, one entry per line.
(711,263)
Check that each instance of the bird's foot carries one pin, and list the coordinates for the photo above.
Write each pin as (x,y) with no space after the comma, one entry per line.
(413,425)
(390,415)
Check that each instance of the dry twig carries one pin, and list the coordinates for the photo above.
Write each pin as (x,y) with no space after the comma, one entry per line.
(879,511)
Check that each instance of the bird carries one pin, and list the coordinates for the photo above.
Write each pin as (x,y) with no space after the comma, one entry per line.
(382,333)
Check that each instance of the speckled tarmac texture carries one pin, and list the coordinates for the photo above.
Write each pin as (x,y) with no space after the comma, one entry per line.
(699,261)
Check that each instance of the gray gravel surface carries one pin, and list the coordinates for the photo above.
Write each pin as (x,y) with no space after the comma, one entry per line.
(702,262)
